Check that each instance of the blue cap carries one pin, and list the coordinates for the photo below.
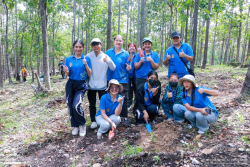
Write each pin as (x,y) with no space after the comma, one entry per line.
(176,34)
(147,39)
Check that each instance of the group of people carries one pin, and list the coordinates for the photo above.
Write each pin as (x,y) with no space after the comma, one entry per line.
(117,74)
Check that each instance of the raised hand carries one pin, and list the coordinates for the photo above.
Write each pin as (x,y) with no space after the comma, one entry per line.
(200,90)
(149,58)
(120,99)
(168,56)
(155,90)
(65,69)
(169,94)
(142,59)
(84,60)
(182,54)
(128,67)
(105,59)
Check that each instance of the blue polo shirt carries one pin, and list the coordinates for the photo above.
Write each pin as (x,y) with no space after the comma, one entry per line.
(120,60)
(77,70)
(147,100)
(146,67)
(132,71)
(175,63)
(108,105)
(200,101)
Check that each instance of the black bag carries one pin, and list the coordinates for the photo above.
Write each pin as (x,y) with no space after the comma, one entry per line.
(190,70)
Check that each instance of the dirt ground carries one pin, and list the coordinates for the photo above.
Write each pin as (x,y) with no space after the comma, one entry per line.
(36,131)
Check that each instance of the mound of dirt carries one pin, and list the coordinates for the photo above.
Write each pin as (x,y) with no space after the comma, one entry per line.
(56,103)
(164,139)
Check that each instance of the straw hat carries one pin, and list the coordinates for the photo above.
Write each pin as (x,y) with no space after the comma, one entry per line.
(115,82)
(187,78)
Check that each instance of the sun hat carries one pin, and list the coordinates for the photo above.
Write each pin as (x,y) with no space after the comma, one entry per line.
(187,78)
(115,82)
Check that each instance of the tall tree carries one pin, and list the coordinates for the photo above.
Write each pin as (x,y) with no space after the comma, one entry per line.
(127,25)
(138,26)
(240,27)
(212,61)
(246,85)
(119,17)
(143,20)
(244,44)
(31,63)
(109,24)
(17,63)
(207,36)
(43,11)
(1,69)
(196,11)
(228,40)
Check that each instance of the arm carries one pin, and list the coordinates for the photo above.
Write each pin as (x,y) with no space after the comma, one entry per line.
(139,96)
(194,109)
(165,98)
(156,97)
(104,115)
(188,58)
(210,92)
(138,61)
(118,109)
(138,65)
(87,64)
(166,62)
(88,69)
(111,64)
(178,96)
(154,65)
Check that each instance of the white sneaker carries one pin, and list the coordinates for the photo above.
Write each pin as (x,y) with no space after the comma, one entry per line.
(82,130)
(170,119)
(180,121)
(201,132)
(75,131)
(93,125)
(99,135)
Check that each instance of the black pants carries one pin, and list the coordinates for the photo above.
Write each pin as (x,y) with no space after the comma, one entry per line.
(92,101)
(140,81)
(24,79)
(124,93)
(75,91)
(131,89)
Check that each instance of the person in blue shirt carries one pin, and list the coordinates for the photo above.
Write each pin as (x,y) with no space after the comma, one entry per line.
(77,68)
(173,59)
(171,96)
(131,74)
(110,108)
(143,65)
(147,99)
(198,109)
(120,58)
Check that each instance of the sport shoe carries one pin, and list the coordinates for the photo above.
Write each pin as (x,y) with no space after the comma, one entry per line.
(180,121)
(170,119)
(126,123)
(201,132)
(82,130)
(93,125)
(75,131)
(99,135)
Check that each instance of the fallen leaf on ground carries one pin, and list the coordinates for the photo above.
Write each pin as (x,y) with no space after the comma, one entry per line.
(81,149)
(197,137)
(200,144)
(211,130)
(244,132)
(207,151)
(95,150)
(36,153)
(102,155)
(17,165)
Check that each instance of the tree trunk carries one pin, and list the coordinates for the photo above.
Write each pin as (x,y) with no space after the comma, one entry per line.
(119,16)
(176,19)
(186,30)
(196,10)
(162,37)
(143,20)
(31,63)
(109,24)
(246,84)
(138,26)
(248,50)
(239,36)
(43,10)
(38,58)
(74,21)
(221,53)
(127,26)
(212,61)
(196,61)
(17,62)
(244,44)
(191,24)
(207,36)
(200,59)
(228,40)
(1,69)
(53,46)
(7,44)
(78,37)
(171,21)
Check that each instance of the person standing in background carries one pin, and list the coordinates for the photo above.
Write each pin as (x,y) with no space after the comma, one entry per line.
(24,72)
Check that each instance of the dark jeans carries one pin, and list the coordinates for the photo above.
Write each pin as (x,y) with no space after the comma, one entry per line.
(140,81)
(152,111)
(75,91)
(92,101)
(131,89)
(24,79)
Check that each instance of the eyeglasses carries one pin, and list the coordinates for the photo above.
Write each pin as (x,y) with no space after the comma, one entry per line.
(114,88)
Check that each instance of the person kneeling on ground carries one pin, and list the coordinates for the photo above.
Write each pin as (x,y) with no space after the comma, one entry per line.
(198,109)
(147,99)
(110,108)
(171,96)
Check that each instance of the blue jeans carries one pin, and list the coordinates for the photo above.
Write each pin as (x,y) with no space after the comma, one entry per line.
(197,119)
(104,124)
(166,109)
(152,111)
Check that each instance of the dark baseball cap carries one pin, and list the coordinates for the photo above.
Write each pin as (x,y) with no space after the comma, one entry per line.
(176,34)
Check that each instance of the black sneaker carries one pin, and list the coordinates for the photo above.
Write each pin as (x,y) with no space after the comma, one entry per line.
(126,123)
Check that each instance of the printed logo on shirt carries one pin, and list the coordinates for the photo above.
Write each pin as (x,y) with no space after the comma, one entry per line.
(83,75)
(108,109)
(172,56)
(145,98)
(70,65)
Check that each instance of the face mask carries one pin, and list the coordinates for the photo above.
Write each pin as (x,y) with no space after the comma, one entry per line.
(173,84)
(152,82)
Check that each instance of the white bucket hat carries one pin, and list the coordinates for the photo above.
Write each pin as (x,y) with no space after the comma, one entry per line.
(187,78)
(114,81)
